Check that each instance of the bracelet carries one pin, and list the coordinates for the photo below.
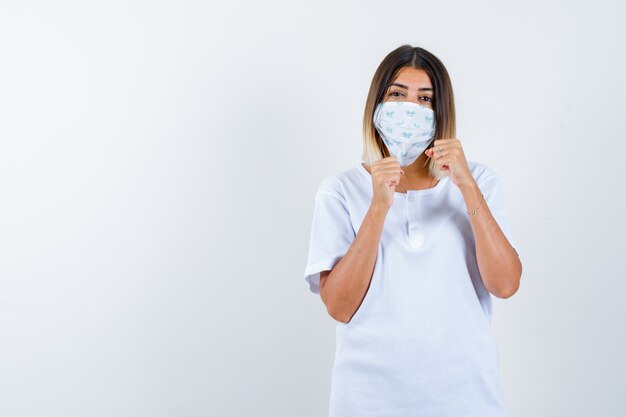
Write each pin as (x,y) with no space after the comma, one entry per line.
(473,213)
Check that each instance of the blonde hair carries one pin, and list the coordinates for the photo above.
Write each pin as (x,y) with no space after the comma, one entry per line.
(374,148)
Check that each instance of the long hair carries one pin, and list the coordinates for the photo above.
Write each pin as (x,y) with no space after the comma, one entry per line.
(443,100)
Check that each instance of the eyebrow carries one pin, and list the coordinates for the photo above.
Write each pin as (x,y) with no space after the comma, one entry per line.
(406,88)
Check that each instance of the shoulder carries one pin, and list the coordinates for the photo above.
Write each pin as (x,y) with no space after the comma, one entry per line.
(340,183)
(488,180)
(482,172)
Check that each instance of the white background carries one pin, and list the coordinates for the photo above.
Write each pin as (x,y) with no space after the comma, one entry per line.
(158,164)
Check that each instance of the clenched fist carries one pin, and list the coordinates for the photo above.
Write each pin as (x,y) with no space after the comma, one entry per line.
(386,175)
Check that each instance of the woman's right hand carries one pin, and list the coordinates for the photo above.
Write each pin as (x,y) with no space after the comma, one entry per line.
(386,175)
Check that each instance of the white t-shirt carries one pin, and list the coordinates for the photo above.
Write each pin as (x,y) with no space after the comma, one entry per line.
(421,343)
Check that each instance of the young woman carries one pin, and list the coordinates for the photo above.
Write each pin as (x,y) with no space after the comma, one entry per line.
(406,250)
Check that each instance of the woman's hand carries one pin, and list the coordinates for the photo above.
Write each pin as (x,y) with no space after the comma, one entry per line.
(449,156)
(386,175)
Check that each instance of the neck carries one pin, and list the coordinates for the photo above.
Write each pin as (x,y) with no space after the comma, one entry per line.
(416,176)
(417,171)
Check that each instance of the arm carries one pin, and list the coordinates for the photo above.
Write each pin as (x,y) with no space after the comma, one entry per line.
(344,287)
(499,264)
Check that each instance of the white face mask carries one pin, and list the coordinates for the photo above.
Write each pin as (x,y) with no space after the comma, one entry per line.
(407,128)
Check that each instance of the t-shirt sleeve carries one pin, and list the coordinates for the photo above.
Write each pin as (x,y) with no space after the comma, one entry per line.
(491,186)
(331,234)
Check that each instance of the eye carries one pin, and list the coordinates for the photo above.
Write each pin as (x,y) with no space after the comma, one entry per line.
(393,94)
(428,99)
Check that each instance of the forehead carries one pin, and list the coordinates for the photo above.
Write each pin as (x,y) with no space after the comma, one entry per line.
(413,78)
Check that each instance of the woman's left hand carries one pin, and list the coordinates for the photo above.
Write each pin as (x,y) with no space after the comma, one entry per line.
(449,156)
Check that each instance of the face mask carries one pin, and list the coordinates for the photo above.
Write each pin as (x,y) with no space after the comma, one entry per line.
(407,128)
